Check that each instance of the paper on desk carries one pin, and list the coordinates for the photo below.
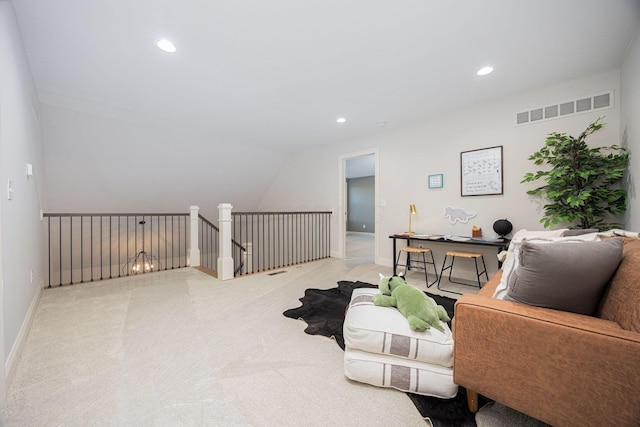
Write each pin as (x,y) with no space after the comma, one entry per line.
(457,238)
(488,240)
(428,236)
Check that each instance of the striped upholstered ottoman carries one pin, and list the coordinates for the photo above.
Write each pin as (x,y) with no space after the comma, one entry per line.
(382,350)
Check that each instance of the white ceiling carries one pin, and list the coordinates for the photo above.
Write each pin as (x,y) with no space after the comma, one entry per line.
(279,72)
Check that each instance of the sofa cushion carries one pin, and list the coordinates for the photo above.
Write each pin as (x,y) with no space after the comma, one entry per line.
(621,300)
(384,330)
(579,232)
(406,375)
(564,276)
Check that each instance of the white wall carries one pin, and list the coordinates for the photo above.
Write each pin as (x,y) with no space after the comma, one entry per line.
(408,155)
(630,76)
(99,164)
(22,231)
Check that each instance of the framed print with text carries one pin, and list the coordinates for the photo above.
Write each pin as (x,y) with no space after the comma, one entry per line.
(436,180)
(481,172)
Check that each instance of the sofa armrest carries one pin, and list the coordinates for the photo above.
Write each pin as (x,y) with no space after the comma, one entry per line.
(562,368)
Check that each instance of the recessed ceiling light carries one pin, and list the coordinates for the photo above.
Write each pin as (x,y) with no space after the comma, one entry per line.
(341,120)
(484,71)
(166,45)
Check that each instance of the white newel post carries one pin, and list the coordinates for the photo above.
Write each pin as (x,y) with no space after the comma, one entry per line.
(225,261)
(194,251)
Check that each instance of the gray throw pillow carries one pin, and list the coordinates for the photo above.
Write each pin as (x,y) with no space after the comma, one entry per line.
(579,232)
(564,276)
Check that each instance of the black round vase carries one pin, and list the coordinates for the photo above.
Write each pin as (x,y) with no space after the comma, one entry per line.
(502,227)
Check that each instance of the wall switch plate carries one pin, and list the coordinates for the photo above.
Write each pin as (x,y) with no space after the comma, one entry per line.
(9,190)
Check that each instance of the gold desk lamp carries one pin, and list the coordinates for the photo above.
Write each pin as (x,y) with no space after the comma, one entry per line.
(412,211)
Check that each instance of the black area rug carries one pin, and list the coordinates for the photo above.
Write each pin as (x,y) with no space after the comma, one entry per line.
(323,310)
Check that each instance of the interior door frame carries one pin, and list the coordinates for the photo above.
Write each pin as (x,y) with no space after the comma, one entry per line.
(342,200)
(3,369)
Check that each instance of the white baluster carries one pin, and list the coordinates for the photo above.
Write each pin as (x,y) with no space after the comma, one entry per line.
(225,261)
(194,251)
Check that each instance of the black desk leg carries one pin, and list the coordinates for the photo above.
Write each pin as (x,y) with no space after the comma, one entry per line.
(395,264)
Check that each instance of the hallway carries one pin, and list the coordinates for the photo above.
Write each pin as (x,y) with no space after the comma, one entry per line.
(360,248)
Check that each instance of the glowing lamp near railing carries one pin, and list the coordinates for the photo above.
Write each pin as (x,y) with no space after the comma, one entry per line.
(143,261)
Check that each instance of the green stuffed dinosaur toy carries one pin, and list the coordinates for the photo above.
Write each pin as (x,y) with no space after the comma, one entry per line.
(421,311)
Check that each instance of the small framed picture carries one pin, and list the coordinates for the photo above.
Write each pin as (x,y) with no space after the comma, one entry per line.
(436,180)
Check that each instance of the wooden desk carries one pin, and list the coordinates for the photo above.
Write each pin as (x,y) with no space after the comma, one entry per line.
(500,244)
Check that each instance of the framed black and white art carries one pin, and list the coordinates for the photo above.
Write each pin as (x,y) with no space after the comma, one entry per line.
(481,172)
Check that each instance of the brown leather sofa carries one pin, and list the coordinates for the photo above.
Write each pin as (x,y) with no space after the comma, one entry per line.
(562,368)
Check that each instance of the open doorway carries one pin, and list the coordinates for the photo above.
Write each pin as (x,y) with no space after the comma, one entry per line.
(3,383)
(359,201)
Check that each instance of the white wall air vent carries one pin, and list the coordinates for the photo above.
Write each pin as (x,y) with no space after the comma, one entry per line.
(582,105)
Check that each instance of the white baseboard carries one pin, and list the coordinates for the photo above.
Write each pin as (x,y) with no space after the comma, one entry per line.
(387,262)
(12,360)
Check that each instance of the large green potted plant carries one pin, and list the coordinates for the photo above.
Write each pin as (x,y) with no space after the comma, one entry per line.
(582,184)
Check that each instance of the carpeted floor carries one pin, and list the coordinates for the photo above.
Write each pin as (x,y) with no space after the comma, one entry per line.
(183,348)
(494,414)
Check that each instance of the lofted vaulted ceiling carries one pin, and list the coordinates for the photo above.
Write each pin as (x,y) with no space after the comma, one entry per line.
(279,73)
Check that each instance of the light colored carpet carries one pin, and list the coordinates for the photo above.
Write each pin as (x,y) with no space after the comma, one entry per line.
(180,348)
(497,415)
